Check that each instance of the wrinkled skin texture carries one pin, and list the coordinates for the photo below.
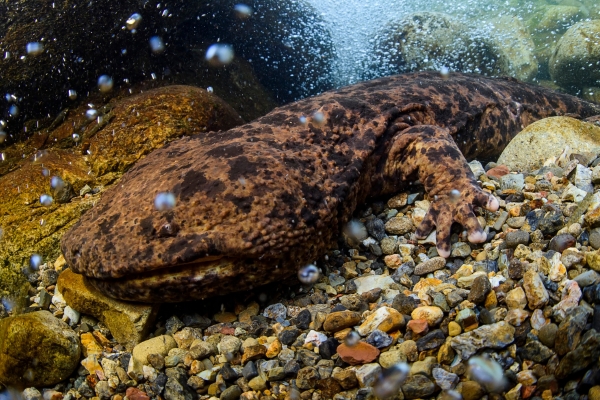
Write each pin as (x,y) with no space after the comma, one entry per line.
(257,202)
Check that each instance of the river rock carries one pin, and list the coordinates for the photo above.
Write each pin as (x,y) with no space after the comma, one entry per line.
(495,336)
(157,345)
(128,322)
(385,319)
(36,349)
(537,295)
(574,60)
(548,138)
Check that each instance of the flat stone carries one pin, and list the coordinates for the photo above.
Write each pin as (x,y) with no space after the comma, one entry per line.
(36,349)
(495,336)
(367,374)
(536,352)
(253,353)
(429,266)
(391,357)
(417,386)
(579,359)
(336,321)
(515,238)
(385,319)
(367,283)
(480,288)
(307,378)
(399,225)
(361,353)
(128,322)
(157,345)
(444,379)
(432,314)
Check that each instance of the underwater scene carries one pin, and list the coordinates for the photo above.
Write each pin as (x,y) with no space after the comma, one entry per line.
(299,200)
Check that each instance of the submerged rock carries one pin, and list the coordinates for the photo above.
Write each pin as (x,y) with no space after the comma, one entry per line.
(548,138)
(36,349)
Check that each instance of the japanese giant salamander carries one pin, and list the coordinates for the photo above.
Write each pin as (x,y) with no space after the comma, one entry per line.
(255,203)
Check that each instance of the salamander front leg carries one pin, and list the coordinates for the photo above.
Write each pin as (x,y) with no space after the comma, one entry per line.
(428,153)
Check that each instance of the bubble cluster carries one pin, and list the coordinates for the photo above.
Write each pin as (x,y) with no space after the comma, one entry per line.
(219,54)
(164,201)
(309,274)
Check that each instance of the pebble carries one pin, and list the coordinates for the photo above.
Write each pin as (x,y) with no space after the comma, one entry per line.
(361,353)
(385,319)
(537,295)
(431,265)
(480,288)
(495,336)
(432,314)
(339,320)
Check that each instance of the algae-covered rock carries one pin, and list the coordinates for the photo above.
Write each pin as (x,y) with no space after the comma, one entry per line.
(575,60)
(128,322)
(36,349)
(548,138)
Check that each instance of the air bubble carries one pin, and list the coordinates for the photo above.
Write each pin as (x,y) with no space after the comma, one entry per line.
(45,172)
(57,183)
(210,89)
(72,94)
(243,11)
(352,339)
(13,111)
(91,114)
(318,117)
(76,137)
(2,136)
(309,274)
(133,21)
(35,261)
(2,123)
(105,83)
(46,200)
(454,194)
(444,72)
(35,48)
(157,45)
(164,201)
(391,380)
(487,372)
(219,54)
(302,120)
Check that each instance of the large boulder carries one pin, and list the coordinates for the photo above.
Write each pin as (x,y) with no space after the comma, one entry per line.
(283,41)
(36,349)
(574,62)
(432,41)
(548,138)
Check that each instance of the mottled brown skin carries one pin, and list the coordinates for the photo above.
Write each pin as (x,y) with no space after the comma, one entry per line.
(256,202)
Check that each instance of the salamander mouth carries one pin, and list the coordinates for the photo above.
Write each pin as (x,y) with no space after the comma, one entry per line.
(197,280)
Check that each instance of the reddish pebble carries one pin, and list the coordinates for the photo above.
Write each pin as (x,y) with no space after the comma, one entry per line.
(527,391)
(418,326)
(498,171)
(136,394)
(361,353)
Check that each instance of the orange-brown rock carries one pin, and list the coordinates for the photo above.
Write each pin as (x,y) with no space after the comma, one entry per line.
(361,353)
(338,320)
(253,353)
